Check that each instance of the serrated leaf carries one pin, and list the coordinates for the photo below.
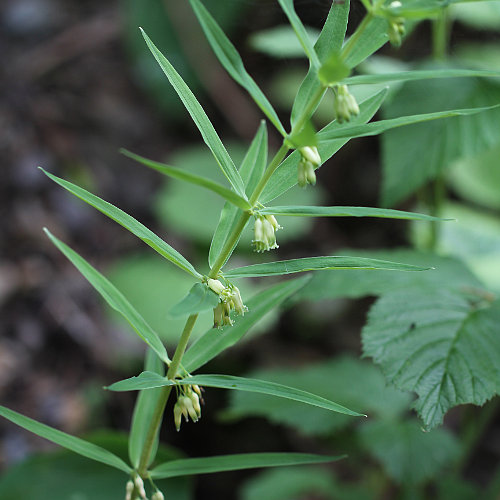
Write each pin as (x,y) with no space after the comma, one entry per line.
(72,443)
(407,165)
(200,118)
(197,180)
(367,390)
(114,298)
(285,176)
(408,454)
(315,264)
(251,171)
(439,344)
(143,412)
(378,127)
(200,298)
(304,211)
(407,76)
(231,60)
(300,31)
(212,343)
(329,42)
(150,380)
(223,463)
(129,223)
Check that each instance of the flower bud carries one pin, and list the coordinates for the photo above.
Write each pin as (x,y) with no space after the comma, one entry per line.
(345,105)
(272,220)
(310,153)
(305,173)
(396,29)
(139,484)
(238,305)
(216,286)
(158,495)
(129,488)
(195,400)
(178,411)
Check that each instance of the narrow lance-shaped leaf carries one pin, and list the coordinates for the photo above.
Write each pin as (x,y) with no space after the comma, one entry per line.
(316,264)
(129,223)
(72,443)
(285,177)
(231,60)
(212,140)
(251,171)
(144,410)
(222,463)
(184,175)
(376,128)
(200,298)
(329,42)
(300,31)
(114,298)
(150,380)
(209,345)
(406,76)
(307,211)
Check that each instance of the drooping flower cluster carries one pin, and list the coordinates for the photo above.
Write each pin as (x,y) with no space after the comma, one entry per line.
(187,405)
(230,300)
(265,228)
(135,489)
(396,30)
(345,105)
(308,163)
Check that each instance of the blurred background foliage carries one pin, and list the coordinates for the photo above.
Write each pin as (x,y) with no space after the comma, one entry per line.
(77,84)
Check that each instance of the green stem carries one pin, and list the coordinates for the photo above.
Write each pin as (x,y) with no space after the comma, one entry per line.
(440,35)
(437,197)
(309,110)
(356,35)
(157,417)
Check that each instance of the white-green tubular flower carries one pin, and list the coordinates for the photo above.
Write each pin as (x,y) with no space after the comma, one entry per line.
(264,237)
(305,173)
(311,153)
(345,106)
(195,400)
(187,405)
(129,488)
(237,302)
(139,484)
(158,495)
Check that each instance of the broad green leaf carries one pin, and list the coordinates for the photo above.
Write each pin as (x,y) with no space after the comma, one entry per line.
(442,344)
(212,343)
(114,298)
(183,175)
(222,463)
(150,380)
(408,454)
(280,41)
(144,410)
(367,391)
(407,164)
(378,127)
(298,211)
(200,298)
(200,118)
(63,475)
(315,264)
(407,76)
(329,42)
(478,15)
(300,31)
(251,171)
(129,223)
(72,443)
(285,176)
(231,60)
(371,39)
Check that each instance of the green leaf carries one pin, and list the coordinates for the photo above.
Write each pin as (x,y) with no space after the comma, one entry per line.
(408,454)
(143,412)
(211,344)
(113,297)
(442,344)
(407,76)
(378,127)
(200,118)
(129,223)
(72,443)
(251,171)
(300,31)
(183,175)
(367,390)
(222,463)
(315,264)
(285,176)
(305,211)
(231,60)
(150,380)
(200,298)
(329,42)
(407,165)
